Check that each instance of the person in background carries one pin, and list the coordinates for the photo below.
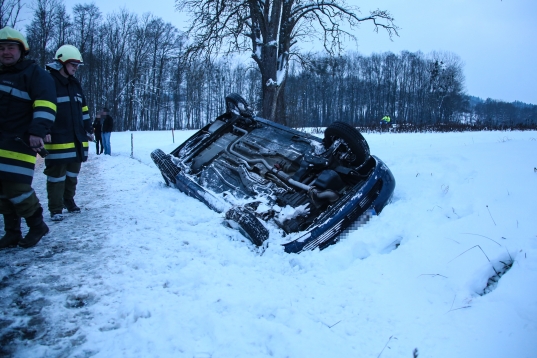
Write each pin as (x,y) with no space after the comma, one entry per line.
(27,112)
(68,139)
(384,122)
(97,126)
(108,127)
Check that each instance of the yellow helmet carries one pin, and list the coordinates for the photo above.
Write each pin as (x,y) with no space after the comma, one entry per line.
(10,35)
(68,53)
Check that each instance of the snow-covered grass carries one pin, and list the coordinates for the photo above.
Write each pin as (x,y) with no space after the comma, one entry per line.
(146,271)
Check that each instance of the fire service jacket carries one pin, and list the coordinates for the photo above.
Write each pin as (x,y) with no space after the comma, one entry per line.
(27,107)
(69,135)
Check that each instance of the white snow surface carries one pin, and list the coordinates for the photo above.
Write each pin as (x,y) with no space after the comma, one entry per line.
(146,271)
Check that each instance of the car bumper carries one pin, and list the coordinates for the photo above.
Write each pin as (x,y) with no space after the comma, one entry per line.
(351,211)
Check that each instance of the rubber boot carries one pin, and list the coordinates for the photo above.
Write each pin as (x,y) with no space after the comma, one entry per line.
(70,205)
(38,229)
(12,225)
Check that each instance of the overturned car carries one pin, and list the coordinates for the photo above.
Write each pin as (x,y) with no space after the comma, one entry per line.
(260,174)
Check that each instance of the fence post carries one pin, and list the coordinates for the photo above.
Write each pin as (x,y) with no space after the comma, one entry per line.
(173,137)
(132,145)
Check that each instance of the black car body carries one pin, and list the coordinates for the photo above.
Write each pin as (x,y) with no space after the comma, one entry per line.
(262,174)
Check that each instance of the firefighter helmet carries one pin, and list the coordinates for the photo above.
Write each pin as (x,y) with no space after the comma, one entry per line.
(68,53)
(10,35)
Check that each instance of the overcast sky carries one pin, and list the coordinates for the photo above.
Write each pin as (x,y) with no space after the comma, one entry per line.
(496,39)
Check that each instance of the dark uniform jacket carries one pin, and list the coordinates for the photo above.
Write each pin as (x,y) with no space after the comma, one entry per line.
(27,106)
(69,140)
(108,123)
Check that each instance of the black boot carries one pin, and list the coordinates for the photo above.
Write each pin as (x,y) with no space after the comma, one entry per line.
(12,225)
(70,205)
(38,229)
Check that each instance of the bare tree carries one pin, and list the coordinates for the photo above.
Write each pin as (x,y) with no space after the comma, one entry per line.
(9,12)
(164,38)
(139,50)
(63,27)
(86,22)
(42,29)
(270,29)
(86,19)
(117,31)
(446,83)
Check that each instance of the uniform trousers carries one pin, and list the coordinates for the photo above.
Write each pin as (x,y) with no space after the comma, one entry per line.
(61,184)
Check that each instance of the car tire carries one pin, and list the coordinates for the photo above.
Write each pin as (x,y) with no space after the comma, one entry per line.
(352,138)
(237,102)
(248,225)
(167,168)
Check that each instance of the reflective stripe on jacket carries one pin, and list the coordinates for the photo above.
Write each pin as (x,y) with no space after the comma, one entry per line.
(27,107)
(69,140)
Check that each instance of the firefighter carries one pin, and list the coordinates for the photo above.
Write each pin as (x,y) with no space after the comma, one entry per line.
(68,140)
(27,112)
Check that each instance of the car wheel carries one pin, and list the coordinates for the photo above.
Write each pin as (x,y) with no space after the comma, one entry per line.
(167,168)
(248,225)
(236,103)
(352,138)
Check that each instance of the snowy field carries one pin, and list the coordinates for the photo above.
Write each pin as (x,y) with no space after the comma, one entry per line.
(145,271)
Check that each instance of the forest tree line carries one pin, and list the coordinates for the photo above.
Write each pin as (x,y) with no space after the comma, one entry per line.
(133,65)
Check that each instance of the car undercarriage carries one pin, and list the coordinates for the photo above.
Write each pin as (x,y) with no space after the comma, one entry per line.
(260,173)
